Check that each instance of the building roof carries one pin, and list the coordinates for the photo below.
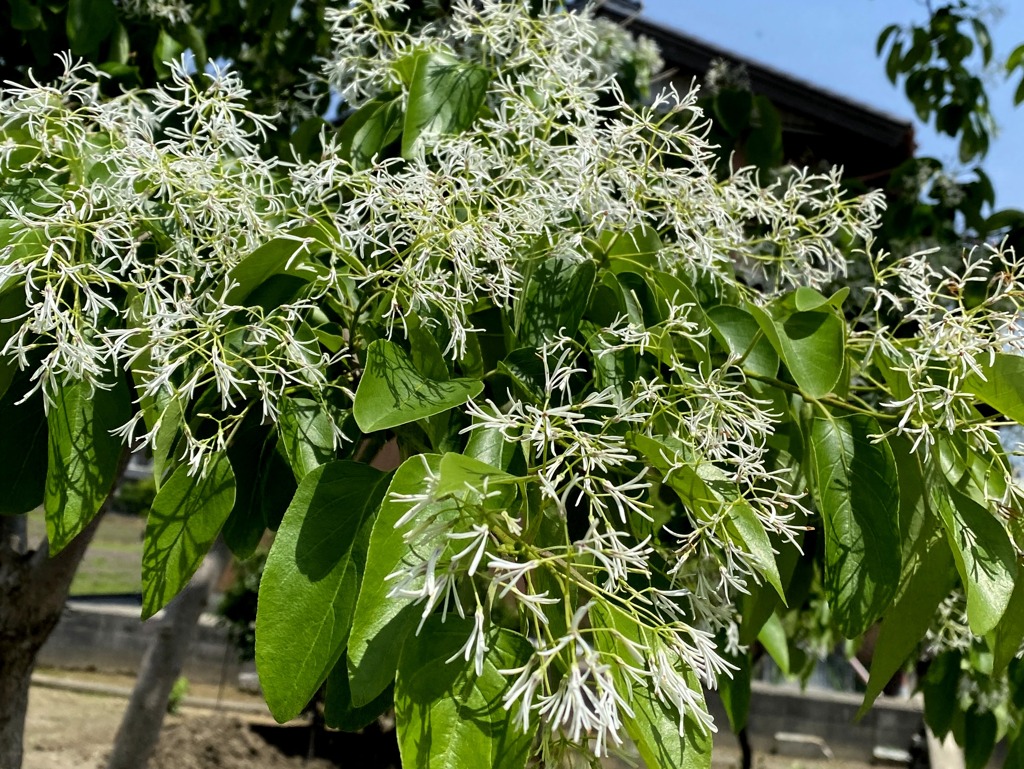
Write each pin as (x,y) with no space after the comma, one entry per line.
(818,124)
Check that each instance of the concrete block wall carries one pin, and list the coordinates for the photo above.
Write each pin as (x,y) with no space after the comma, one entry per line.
(113,638)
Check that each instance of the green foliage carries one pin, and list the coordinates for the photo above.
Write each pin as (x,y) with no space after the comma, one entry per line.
(449,717)
(940,80)
(185,519)
(84,458)
(178,694)
(635,419)
(311,580)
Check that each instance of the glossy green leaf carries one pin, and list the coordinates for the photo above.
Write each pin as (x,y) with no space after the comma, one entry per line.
(710,496)
(663,739)
(984,556)
(811,344)
(83,456)
(166,50)
(461,475)
(980,730)
(244,529)
(289,254)
(381,624)
(184,520)
(909,619)
(311,581)
(856,488)
(23,452)
(392,392)
(1003,385)
(741,335)
(927,576)
(554,300)
(88,24)
(1006,639)
(306,436)
(940,685)
(445,96)
(488,445)
(773,639)
(371,129)
(449,718)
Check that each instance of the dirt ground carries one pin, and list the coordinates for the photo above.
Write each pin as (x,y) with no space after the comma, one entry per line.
(69,730)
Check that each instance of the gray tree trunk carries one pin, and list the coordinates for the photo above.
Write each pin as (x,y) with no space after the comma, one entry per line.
(140,729)
(33,590)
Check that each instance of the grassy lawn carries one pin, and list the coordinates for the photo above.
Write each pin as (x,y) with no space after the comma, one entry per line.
(113,562)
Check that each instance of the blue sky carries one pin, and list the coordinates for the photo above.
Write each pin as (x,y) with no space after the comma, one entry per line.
(831,43)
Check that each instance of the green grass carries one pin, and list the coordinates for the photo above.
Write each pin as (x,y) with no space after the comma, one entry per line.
(113,562)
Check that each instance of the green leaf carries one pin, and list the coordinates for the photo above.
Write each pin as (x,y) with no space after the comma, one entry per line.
(855,486)
(927,576)
(340,712)
(247,523)
(982,551)
(445,96)
(661,737)
(25,15)
(773,639)
(460,475)
(764,144)
(1015,59)
(392,392)
(554,300)
(811,344)
(185,519)
(980,729)
(734,690)
(166,50)
(740,334)
(883,38)
(23,452)
(370,129)
(733,108)
(1006,639)
(487,444)
(288,254)
(713,498)
(306,436)
(940,686)
(88,24)
(83,456)
(909,619)
(1003,385)
(311,581)
(449,718)
(381,624)
(894,62)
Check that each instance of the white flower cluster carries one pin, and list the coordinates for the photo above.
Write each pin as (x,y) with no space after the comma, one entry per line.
(170,11)
(960,320)
(153,197)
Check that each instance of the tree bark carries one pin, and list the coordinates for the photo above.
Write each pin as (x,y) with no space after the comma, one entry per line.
(140,729)
(33,591)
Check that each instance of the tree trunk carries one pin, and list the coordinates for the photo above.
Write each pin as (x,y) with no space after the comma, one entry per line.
(33,590)
(140,729)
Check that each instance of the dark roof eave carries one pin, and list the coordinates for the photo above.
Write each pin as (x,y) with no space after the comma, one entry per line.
(690,54)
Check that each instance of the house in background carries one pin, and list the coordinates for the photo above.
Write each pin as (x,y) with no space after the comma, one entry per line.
(819,127)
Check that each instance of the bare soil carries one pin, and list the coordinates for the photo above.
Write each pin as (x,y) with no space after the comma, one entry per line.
(69,730)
